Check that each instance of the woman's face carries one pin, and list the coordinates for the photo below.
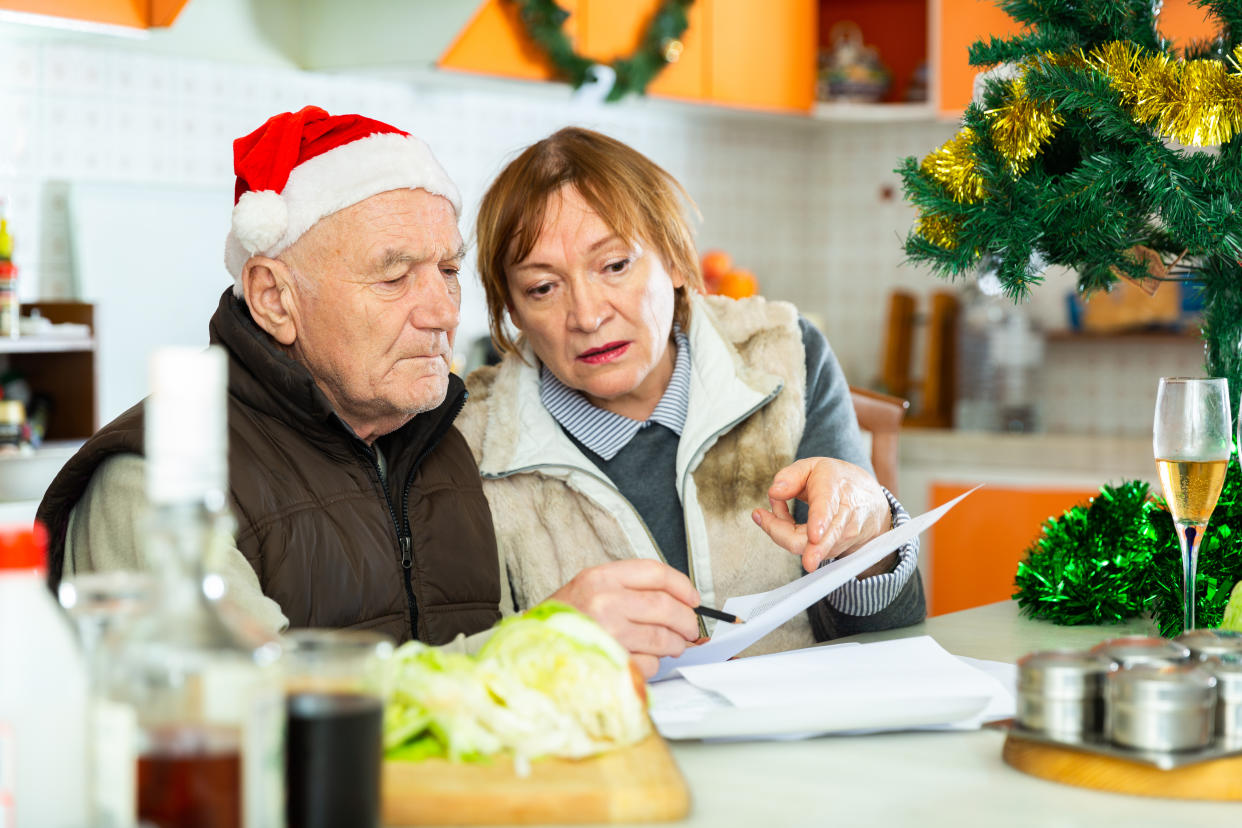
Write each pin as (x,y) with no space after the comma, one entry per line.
(597,309)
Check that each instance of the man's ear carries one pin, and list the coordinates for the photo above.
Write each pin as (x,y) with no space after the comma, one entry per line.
(267,287)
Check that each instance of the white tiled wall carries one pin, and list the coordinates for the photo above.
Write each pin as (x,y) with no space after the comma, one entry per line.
(815,210)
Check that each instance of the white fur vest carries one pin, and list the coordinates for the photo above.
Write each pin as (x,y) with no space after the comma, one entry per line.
(556,513)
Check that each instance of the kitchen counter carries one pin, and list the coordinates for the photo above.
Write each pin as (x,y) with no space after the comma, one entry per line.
(1039,460)
(919,778)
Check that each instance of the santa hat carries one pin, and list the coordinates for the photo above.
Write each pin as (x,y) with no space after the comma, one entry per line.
(301,166)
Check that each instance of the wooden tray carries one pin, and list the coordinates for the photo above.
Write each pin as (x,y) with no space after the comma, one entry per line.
(1218,779)
(640,783)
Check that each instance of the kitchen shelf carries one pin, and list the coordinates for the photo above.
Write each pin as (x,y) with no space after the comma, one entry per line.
(873,112)
(46,344)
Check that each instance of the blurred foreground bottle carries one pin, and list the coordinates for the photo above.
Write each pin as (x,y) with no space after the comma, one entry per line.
(193,691)
(42,694)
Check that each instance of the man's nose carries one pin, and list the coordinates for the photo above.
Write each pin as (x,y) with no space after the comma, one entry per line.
(438,304)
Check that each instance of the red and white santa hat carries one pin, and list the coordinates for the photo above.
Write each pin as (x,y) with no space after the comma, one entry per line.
(301,166)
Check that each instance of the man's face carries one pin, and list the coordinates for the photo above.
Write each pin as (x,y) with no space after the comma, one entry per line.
(375,303)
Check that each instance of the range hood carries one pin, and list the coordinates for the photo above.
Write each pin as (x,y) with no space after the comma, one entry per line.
(374,34)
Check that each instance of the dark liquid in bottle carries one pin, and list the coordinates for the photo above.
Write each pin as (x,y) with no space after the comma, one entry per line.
(335,742)
(194,790)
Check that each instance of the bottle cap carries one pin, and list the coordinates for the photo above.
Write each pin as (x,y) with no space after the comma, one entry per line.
(23,547)
(186,428)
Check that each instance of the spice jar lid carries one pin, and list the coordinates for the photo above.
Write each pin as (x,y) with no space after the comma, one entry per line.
(1152,685)
(1061,673)
(1142,649)
(1211,643)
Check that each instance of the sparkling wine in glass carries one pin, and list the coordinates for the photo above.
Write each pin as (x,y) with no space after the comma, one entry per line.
(1191,439)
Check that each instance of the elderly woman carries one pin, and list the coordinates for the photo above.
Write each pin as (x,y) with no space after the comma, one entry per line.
(639,442)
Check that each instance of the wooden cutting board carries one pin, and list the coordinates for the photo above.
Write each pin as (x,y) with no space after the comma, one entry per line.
(1220,779)
(640,783)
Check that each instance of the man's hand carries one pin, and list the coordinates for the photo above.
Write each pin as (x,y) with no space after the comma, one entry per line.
(847,509)
(646,605)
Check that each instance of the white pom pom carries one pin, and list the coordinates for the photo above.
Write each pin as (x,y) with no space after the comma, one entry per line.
(260,220)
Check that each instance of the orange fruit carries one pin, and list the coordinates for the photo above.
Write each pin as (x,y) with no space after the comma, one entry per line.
(716,263)
(737,284)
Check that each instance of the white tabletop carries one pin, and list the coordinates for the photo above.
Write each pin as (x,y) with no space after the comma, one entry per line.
(951,779)
(920,778)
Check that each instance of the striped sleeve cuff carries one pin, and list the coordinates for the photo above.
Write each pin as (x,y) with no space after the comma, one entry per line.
(867,596)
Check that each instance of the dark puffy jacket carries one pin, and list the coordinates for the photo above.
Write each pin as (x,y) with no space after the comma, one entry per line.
(329,541)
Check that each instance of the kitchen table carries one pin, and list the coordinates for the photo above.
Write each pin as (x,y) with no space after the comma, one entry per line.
(920,778)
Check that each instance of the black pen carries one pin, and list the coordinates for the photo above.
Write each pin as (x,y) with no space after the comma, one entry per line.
(728,617)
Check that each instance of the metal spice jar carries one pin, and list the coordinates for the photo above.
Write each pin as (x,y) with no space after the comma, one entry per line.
(1161,707)
(1228,672)
(1061,693)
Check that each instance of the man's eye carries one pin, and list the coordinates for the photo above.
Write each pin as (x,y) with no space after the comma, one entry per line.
(451,272)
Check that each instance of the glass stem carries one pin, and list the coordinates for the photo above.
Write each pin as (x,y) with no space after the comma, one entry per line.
(1189,535)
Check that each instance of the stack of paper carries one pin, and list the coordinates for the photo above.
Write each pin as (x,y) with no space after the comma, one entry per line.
(888,685)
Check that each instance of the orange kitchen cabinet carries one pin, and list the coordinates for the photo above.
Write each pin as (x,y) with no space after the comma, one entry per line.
(736,52)
(494,42)
(136,15)
(954,25)
(976,547)
(610,30)
(763,54)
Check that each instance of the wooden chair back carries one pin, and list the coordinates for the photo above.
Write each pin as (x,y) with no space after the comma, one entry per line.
(881,415)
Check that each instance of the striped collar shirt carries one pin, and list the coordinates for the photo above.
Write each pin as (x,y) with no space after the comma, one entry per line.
(604,432)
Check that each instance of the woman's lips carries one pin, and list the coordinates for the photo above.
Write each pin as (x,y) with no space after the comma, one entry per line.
(604,353)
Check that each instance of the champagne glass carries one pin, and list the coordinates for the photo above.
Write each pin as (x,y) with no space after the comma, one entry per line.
(1191,440)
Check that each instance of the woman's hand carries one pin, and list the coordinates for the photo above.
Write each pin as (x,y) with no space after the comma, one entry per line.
(646,605)
(847,509)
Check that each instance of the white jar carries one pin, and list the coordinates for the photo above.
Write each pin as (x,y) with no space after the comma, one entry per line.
(43,695)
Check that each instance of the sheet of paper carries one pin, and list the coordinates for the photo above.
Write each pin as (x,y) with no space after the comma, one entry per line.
(765,611)
(849,688)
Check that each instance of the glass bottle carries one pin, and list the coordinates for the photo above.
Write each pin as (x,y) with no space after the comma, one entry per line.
(101,604)
(197,686)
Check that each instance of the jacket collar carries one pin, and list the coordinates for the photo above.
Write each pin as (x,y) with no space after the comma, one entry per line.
(265,378)
(521,434)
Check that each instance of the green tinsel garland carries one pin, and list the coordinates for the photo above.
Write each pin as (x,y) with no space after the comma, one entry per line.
(1118,557)
(660,46)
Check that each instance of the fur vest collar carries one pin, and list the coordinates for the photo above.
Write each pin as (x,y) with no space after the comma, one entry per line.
(556,513)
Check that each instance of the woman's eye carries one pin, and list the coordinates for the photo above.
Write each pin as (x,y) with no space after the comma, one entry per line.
(619,266)
(539,290)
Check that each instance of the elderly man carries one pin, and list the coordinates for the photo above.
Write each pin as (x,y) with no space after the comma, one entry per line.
(358,503)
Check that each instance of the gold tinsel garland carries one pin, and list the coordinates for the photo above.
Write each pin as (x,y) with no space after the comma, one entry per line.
(1195,103)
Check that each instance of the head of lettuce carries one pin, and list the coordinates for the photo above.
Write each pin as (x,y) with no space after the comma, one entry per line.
(549,682)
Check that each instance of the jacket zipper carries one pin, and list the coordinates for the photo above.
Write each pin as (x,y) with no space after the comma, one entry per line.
(404,542)
(405,539)
(403,531)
